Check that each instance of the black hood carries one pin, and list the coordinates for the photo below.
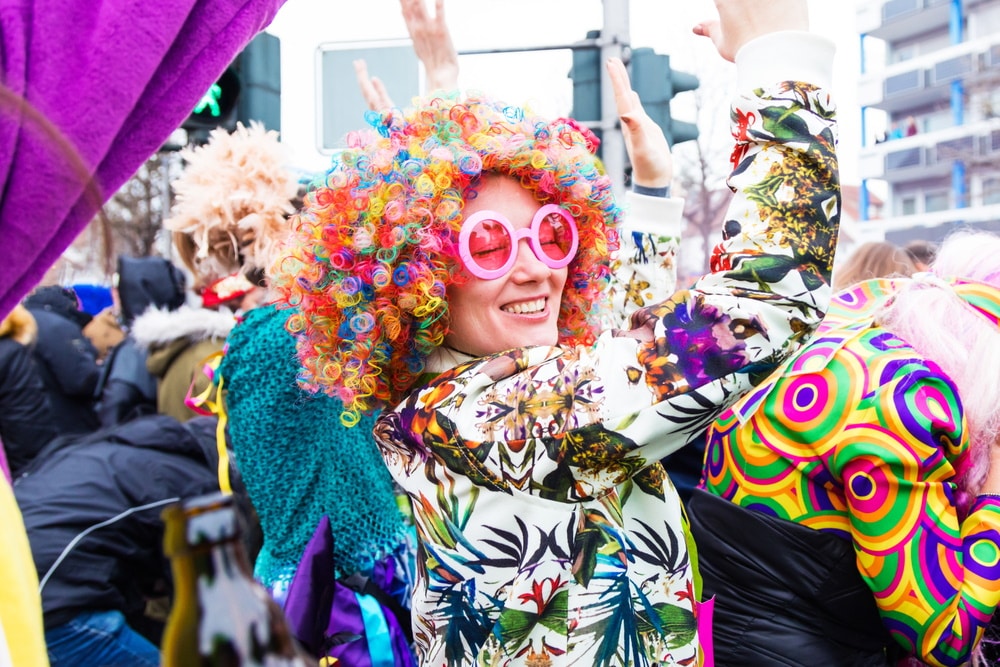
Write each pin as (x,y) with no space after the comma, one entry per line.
(148,281)
(59,300)
(156,431)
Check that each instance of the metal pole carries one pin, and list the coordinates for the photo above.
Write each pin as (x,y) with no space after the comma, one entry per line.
(165,240)
(615,37)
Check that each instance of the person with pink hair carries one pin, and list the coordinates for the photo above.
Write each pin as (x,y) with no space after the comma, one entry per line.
(452,273)
(850,509)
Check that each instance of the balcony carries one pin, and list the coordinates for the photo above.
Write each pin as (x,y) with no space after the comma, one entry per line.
(935,226)
(930,155)
(893,20)
(927,79)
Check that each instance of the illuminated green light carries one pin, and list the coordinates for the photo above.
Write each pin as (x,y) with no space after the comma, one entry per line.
(210,101)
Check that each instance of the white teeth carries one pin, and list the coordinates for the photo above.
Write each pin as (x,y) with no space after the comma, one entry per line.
(525,307)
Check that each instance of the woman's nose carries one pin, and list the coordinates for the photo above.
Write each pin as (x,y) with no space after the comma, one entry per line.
(527,266)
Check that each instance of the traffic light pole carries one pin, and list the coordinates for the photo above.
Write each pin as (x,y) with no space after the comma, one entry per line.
(613,40)
(614,37)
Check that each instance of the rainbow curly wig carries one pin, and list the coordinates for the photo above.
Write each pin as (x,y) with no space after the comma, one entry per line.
(375,247)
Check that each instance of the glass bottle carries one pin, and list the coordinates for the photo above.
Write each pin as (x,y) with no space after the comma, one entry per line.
(220,617)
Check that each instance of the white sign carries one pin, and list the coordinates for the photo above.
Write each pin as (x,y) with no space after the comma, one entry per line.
(341,108)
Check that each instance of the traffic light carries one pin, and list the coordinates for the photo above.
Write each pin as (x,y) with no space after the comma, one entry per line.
(259,69)
(586,75)
(217,107)
(249,89)
(656,83)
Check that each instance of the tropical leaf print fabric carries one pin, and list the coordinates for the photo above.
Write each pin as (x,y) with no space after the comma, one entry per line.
(550,534)
(861,436)
(644,271)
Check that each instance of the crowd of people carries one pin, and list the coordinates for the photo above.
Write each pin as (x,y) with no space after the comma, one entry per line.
(467,414)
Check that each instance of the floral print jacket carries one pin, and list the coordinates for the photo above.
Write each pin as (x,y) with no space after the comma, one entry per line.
(549,533)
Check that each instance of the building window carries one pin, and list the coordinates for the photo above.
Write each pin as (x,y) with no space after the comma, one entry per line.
(936,201)
(908,205)
(902,53)
(991,191)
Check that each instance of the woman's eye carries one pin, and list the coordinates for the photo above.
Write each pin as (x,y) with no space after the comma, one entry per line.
(489,238)
(486,251)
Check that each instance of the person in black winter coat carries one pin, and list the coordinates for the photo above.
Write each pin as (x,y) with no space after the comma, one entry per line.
(126,389)
(66,358)
(91,508)
(25,418)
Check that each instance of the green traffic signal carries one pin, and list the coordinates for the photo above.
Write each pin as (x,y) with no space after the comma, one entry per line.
(217,107)
(210,101)
(249,90)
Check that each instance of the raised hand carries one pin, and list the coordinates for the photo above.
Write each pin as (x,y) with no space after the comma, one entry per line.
(432,43)
(652,163)
(743,20)
(372,88)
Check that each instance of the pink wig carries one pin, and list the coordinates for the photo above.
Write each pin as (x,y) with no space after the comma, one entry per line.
(960,333)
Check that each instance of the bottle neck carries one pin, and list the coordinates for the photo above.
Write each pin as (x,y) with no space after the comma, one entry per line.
(211,543)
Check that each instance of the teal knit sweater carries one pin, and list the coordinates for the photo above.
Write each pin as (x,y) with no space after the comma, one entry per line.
(298,462)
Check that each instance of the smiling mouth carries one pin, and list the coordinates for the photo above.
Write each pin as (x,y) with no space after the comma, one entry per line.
(532,307)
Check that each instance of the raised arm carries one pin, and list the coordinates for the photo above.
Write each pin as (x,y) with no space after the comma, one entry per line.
(644,271)
(742,21)
(648,150)
(372,89)
(433,45)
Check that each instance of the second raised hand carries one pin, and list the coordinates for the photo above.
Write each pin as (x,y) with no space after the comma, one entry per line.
(648,150)
(432,43)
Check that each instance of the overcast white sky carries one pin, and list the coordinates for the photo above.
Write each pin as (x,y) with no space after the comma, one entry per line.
(539,77)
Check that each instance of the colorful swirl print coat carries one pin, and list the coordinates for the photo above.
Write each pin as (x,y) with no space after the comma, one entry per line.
(859,435)
(549,533)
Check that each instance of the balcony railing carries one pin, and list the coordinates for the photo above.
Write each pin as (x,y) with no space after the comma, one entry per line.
(924,80)
(953,68)
(894,20)
(908,157)
(904,83)
(961,148)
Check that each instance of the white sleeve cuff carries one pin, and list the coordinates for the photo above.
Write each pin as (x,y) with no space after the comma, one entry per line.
(662,216)
(787,55)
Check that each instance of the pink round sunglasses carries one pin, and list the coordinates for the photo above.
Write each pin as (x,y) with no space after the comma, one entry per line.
(488,241)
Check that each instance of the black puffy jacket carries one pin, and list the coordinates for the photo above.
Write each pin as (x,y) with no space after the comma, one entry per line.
(785,595)
(25,417)
(66,359)
(126,389)
(92,507)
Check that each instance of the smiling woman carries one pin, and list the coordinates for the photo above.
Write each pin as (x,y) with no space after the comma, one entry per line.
(516,303)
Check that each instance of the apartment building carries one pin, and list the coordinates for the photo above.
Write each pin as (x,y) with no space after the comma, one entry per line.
(930,97)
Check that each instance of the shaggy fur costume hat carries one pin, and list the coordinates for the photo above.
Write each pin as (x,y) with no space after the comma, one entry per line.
(232,203)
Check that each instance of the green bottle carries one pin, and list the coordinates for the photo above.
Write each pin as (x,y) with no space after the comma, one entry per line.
(220,616)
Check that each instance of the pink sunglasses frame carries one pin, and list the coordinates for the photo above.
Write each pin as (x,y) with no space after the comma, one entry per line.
(530,233)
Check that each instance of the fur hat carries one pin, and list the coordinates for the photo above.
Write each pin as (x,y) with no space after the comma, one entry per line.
(232,203)
(19,325)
